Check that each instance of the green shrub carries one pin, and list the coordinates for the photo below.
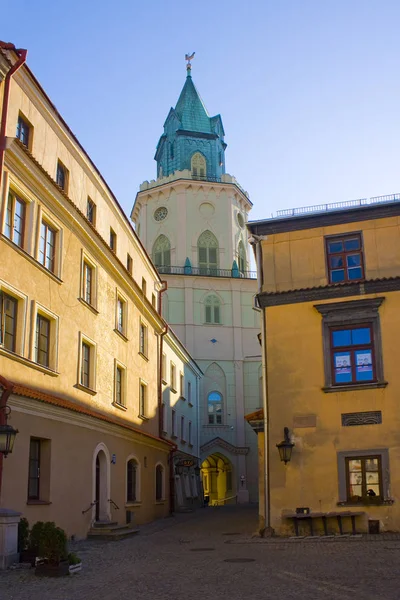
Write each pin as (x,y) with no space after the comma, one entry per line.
(53,543)
(73,559)
(23,534)
(35,537)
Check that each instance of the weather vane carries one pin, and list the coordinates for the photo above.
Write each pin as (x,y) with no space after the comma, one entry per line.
(189,57)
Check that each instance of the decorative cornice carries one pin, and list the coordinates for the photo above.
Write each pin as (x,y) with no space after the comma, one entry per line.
(205,448)
(326,292)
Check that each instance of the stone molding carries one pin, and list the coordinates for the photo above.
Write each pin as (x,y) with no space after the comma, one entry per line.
(237,450)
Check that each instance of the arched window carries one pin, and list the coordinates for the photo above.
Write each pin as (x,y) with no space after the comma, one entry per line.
(208,253)
(214,404)
(212,309)
(162,252)
(199,167)
(159,482)
(242,257)
(131,480)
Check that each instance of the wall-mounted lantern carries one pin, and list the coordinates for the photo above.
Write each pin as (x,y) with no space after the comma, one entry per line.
(285,447)
(7,434)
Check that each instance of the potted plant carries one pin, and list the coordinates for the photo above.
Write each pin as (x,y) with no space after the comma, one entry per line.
(75,563)
(53,550)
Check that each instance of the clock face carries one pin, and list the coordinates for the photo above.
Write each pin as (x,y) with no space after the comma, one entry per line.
(240,220)
(160,213)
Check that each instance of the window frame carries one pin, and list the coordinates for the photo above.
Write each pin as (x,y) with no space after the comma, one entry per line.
(189,393)
(164,368)
(121,327)
(87,261)
(160,497)
(143,399)
(39,309)
(129,263)
(352,349)
(190,433)
(161,253)
(9,218)
(384,476)
(43,216)
(84,340)
(344,237)
(212,302)
(173,423)
(20,318)
(172,369)
(213,414)
(91,211)
(61,168)
(143,339)
(113,240)
(183,433)
(182,385)
(351,314)
(36,478)
(137,491)
(29,127)
(120,370)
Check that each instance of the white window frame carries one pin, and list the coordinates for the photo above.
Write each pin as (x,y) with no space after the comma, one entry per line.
(122,367)
(164,368)
(172,369)
(143,385)
(84,339)
(85,258)
(54,337)
(138,481)
(121,298)
(12,187)
(22,307)
(143,351)
(43,215)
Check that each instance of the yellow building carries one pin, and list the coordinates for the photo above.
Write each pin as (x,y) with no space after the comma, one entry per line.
(80,346)
(330,298)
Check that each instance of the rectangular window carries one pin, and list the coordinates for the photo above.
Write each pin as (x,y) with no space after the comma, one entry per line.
(345,258)
(182,386)
(42,341)
(113,240)
(164,418)
(173,377)
(87,283)
(173,413)
(62,176)
(143,340)
(129,263)
(119,387)
(352,355)
(144,286)
(8,323)
(121,318)
(153,300)
(23,131)
(15,219)
(190,434)
(189,392)
(143,400)
(164,368)
(47,247)
(85,365)
(91,211)
(183,429)
(364,479)
(34,470)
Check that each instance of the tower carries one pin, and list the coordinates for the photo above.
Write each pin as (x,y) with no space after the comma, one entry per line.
(191,220)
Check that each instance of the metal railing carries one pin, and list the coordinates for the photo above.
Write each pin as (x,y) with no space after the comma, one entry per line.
(203,272)
(206,178)
(91,506)
(113,503)
(304,210)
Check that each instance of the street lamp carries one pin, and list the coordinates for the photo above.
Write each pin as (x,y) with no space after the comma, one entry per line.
(7,434)
(285,447)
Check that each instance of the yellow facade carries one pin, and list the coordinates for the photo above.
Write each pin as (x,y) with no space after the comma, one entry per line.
(80,353)
(333,423)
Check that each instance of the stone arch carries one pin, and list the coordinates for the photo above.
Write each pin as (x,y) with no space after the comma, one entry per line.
(217,473)
(101,482)
(208,252)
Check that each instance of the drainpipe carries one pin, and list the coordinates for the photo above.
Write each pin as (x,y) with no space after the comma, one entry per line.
(6,97)
(8,388)
(255,240)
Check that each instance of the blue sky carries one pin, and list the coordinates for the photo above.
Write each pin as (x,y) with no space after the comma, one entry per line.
(308,90)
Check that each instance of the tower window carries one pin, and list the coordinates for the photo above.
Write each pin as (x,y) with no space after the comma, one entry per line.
(214,402)
(212,310)
(162,252)
(198,166)
(208,253)
(242,257)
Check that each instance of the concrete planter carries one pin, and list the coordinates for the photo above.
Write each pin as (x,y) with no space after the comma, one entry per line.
(48,570)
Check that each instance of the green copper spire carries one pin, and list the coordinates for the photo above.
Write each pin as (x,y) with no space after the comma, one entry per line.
(190,108)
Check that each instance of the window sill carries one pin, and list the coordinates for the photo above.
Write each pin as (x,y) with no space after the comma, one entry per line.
(28,362)
(144,356)
(143,418)
(79,386)
(133,504)
(120,406)
(172,389)
(190,404)
(220,426)
(355,386)
(38,502)
(387,502)
(30,258)
(121,335)
(89,306)
(164,381)
(182,398)
(159,502)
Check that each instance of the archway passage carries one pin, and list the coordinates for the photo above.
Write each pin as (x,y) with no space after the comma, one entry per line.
(218,480)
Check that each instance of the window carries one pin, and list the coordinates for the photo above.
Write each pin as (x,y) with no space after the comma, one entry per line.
(183,429)
(8,323)
(352,344)
(91,211)
(162,252)
(189,392)
(131,480)
(164,418)
(207,246)
(87,283)
(345,258)
(47,247)
(23,131)
(198,165)
(62,176)
(15,219)
(173,377)
(214,403)
(121,316)
(242,257)
(119,385)
(190,439)
(164,368)
(143,340)
(364,479)
(144,286)
(212,310)
(85,365)
(42,343)
(182,386)
(153,300)
(159,483)
(34,470)
(129,263)
(113,240)
(142,399)
(173,433)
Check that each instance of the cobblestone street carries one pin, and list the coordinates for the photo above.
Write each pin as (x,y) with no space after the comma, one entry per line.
(186,557)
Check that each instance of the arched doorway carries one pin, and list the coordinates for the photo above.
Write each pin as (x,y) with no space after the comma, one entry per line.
(218,480)
(101,483)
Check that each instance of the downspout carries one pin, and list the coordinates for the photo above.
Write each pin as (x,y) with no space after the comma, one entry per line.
(256,240)
(8,388)
(6,97)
